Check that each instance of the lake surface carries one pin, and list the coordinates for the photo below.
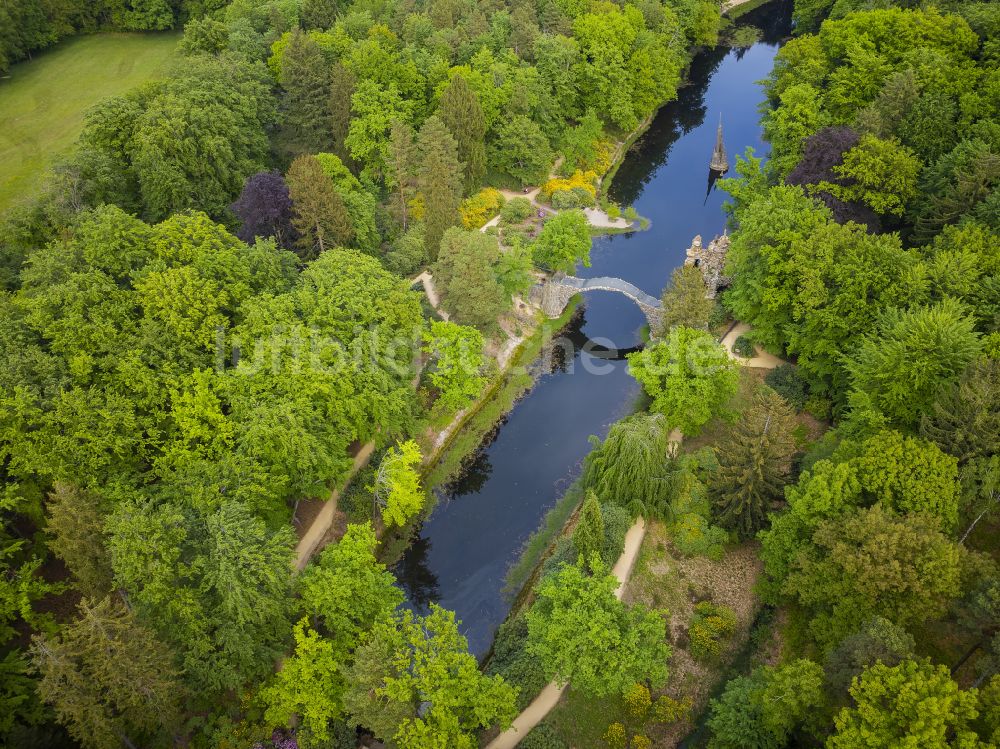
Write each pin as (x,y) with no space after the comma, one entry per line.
(486,514)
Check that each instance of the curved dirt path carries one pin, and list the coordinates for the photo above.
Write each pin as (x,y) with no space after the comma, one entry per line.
(549,697)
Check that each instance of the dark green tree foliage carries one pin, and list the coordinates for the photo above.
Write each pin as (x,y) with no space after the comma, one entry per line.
(588,535)
(76,526)
(318,14)
(320,217)
(439,180)
(462,114)
(341,90)
(634,466)
(108,678)
(765,709)
(521,151)
(964,419)
(754,461)
(465,277)
(878,641)
(305,78)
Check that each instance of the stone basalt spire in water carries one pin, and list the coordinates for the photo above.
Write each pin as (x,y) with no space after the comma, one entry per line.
(719,161)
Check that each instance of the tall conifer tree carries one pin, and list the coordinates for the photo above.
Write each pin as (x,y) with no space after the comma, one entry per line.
(110,681)
(754,460)
(305,76)
(439,180)
(321,218)
(463,116)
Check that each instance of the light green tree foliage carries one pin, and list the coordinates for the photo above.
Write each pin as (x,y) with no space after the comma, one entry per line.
(579,143)
(763,710)
(914,356)
(515,270)
(397,484)
(873,563)
(375,108)
(346,591)
(309,686)
(588,535)
(754,461)
(411,662)
(880,173)
(908,474)
(989,710)
(466,278)
(458,363)
(826,492)
(811,286)
(584,636)
(798,115)
(108,678)
(760,258)
(563,242)
(633,467)
(684,300)
(626,70)
(216,587)
(688,375)
(913,704)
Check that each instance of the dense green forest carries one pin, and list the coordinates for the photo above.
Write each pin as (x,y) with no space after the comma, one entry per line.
(206,313)
(204,316)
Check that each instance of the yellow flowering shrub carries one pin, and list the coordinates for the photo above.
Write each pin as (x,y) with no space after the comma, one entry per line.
(416,205)
(481,207)
(584,180)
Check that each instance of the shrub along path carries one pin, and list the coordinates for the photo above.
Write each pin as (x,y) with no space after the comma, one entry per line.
(549,697)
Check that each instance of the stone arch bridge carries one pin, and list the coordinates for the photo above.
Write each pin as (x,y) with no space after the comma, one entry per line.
(553,294)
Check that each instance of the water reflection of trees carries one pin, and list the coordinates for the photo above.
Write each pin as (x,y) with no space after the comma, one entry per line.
(415,577)
(687,112)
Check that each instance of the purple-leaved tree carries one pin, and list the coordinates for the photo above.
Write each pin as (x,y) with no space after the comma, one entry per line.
(264,209)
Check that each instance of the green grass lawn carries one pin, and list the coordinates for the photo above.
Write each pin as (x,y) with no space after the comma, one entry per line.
(43,102)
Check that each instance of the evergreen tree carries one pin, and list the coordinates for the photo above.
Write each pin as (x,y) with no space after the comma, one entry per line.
(440,181)
(684,300)
(108,678)
(754,461)
(305,76)
(588,536)
(321,218)
(462,114)
(400,169)
(339,105)
(465,277)
(318,14)
(964,419)
(76,525)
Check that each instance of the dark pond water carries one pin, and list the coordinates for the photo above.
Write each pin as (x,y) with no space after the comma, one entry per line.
(488,512)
